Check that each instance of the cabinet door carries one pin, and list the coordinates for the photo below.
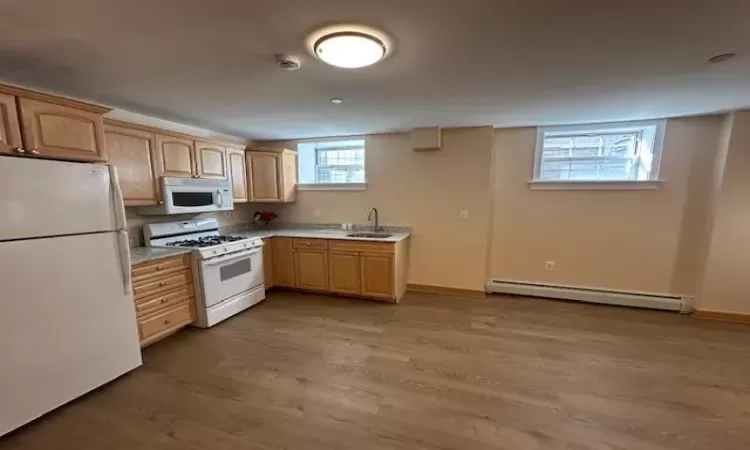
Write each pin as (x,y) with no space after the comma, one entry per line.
(174,156)
(210,160)
(132,152)
(283,262)
(10,131)
(62,132)
(377,275)
(268,263)
(344,272)
(311,269)
(237,174)
(288,176)
(263,177)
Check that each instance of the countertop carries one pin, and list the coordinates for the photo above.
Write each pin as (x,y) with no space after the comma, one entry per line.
(143,254)
(396,236)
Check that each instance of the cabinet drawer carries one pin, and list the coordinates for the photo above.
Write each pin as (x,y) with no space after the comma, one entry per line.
(160,267)
(166,283)
(166,320)
(156,302)
(317,244)
(361,247)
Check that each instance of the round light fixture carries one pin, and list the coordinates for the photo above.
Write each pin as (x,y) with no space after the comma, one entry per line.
(337,101)
(349,46)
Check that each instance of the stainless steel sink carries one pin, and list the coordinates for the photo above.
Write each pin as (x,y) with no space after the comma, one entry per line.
(374,235)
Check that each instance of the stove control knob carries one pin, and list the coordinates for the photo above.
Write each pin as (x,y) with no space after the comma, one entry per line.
(216,252)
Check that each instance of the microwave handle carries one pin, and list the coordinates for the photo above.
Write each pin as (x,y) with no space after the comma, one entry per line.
(219,198)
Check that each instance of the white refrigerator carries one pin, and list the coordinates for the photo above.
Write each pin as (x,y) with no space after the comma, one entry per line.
(67,320)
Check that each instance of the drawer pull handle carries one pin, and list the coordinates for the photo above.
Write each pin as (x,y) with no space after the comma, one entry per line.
(159,268)
(163,300)
(167,322)
(162,284)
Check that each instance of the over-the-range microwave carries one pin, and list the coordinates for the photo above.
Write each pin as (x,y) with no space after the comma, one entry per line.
(191,195)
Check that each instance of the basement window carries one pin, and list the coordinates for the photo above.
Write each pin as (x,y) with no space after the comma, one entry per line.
(332,165)
(614,155)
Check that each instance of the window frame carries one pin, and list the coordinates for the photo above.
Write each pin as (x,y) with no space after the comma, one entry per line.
(609,127)
(347,186)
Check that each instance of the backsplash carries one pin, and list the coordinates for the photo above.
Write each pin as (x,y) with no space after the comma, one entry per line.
(242,214)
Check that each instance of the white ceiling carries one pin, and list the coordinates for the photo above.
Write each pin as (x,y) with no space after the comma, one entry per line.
(455,63)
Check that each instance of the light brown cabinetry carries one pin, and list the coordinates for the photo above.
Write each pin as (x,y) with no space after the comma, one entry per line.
(164,297)
(377,275)
(283,262)
(238,175)
(268,280)
(210,160)
(174,156)
(374,270)
(59,131)
(133,153)
(311,269)
(345,272)
(272,175)
(10,128)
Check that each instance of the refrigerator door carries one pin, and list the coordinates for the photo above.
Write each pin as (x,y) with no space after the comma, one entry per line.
(67,325)
(52,198)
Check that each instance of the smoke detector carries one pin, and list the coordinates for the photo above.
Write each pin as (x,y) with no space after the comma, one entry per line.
(287,62)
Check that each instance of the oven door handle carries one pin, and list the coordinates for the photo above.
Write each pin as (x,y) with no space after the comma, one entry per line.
(230,256)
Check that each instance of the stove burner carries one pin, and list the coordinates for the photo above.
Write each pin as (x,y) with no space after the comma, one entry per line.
(207,241)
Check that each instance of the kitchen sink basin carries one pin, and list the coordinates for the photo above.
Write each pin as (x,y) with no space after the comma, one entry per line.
(374,235)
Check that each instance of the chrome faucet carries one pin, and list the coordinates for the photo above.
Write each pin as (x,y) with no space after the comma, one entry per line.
(369,217)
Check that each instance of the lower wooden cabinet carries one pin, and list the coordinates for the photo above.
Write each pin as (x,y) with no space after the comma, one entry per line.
(268,279)
(283,262)
(374,270)
(164,297)
(345,272)
(311,269)
(377,275)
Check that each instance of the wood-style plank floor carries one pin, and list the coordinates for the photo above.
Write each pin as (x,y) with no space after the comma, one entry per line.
(324,373)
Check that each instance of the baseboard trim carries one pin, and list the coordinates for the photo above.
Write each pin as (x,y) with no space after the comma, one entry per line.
(428,289)
(722,316)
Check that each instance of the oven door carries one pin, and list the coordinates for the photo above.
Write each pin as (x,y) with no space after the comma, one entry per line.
(228,275)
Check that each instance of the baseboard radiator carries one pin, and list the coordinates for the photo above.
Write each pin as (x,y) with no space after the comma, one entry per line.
(677,303)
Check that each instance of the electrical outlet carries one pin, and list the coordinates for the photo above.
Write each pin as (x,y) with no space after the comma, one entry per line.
(550,266)
(316,213)
(464,214)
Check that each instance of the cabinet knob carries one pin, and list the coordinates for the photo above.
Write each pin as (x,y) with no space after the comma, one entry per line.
(34,152)
(163,300)
(162,284)
(160,202)
(167,322)
(159,268)
(19,150)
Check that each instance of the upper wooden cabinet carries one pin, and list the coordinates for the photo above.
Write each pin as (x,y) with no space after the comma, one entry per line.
(174,156)
(237,174)
(133,153)
(60,131)
(210,160)
(10,128)
(272,175)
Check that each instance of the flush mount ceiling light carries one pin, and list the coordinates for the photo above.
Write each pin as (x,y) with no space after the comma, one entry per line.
(349,46)
(337,101)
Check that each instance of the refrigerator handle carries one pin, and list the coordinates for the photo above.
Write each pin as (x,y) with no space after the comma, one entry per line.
(124,247)
(119,202)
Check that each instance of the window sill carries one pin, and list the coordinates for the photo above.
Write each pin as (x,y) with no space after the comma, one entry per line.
(594,185)
(332,187)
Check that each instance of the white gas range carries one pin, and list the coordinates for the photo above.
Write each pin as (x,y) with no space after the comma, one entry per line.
(228,270)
